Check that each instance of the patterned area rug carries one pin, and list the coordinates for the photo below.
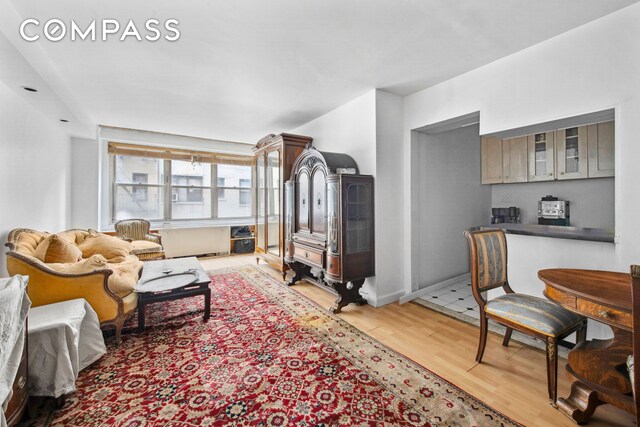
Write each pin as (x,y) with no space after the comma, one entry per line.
(267,357)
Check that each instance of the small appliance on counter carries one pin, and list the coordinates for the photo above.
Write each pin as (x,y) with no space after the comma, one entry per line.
(509,215)
(552,211)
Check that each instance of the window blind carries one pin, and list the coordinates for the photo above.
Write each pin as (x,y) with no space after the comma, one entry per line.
(179,154)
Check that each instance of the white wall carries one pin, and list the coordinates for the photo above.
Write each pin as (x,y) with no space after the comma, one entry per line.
(35,177)
(389,198)
(369,129)
(349,129)
(592,200)
(591,68)
(84,183)
(448,198)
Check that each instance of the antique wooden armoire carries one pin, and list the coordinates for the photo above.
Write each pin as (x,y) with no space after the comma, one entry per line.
(330,233)
(275,155)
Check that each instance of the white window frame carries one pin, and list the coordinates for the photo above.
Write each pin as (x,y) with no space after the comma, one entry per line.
(167,188)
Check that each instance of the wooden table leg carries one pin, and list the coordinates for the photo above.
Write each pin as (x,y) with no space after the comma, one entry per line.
(207,304)
(141,306)
(598,368)
(580,404)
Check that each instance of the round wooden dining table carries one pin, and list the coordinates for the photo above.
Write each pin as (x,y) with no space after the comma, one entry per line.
(597,367)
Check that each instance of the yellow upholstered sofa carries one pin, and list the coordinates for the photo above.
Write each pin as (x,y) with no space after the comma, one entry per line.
(77,264)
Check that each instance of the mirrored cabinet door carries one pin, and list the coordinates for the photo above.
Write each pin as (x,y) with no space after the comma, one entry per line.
(571,153)
(273,202)
(332,217)
(302,208)
(319,210)
(261,203)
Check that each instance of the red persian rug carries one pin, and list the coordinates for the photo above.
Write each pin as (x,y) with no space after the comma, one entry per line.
(267,357)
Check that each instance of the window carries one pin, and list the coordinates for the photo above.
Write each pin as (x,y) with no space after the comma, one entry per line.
(178,188)
(220,188)
(245,195)
(232,193)
(138,187)
(190,190)
(188,193)
(140,194)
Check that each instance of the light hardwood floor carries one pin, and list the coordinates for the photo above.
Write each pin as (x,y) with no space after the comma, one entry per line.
(512,380)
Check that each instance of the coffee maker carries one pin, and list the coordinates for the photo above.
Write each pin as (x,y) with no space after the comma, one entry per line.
(552,211)
(509,215)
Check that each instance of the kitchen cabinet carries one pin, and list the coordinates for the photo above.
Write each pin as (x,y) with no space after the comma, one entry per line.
(491,153)
(571,153)
(275,155)
(601,148)
(541,155)
(514,159)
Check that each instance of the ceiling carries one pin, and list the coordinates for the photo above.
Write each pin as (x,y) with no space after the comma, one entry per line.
(245,68)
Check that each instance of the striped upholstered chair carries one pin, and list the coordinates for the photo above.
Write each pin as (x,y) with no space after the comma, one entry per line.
(531,315)
(146,245)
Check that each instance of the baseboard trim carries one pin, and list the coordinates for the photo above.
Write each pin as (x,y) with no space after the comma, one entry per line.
(386,299)
(420,292)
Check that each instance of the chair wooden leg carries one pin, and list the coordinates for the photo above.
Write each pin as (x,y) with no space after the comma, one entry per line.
(507,337)
(119,325)
(552,370)
(484,325)
(581,334)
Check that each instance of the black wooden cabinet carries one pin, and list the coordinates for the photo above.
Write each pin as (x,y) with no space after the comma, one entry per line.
(329,237)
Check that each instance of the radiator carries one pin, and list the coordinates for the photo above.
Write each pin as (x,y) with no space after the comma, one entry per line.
(193,241)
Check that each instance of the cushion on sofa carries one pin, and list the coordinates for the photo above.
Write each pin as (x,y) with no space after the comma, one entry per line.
(74,236)
(113,249)
(88,265)
(28,242)
(125,275)
(57,249)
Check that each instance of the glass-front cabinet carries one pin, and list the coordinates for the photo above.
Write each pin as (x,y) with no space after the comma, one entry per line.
(275,155)
(331,242)
(359,211)
(572,153)
(541,148)
(273,203)
(261,205)
(332,217)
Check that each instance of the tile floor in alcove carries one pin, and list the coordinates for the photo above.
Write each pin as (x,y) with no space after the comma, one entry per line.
(457,297)
(457,300)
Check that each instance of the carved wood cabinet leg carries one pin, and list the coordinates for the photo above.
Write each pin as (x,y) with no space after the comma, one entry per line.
(580,404)
(355,292)
(348,293)
(298,270)
(337,308)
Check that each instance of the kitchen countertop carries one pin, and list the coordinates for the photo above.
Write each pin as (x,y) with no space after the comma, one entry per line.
(556,231)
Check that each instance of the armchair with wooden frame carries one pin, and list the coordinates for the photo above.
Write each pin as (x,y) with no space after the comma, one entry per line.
(146,245)
(537,317)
